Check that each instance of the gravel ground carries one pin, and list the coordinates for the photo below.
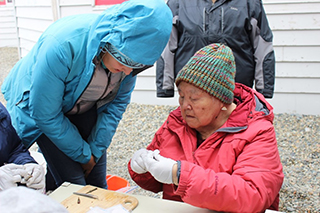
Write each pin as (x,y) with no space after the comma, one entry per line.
(298,140)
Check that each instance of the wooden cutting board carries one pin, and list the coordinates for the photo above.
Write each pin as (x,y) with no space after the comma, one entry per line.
(106,199)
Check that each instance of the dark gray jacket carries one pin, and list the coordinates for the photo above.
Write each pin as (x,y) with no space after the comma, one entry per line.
(240,24)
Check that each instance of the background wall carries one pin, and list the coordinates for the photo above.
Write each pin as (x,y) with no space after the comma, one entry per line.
(295,25)
(8,33)
(296,29)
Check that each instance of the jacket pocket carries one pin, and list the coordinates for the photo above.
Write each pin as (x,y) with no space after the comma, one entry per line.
(24,100)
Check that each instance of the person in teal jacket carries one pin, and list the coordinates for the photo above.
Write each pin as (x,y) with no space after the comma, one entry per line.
(69,92)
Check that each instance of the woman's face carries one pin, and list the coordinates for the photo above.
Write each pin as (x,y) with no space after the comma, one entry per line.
(114,66)
(198,108)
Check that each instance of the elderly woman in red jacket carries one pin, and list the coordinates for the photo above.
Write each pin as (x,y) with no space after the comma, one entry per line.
(218,150)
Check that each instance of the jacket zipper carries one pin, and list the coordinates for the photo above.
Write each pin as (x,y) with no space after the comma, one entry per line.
(222,20)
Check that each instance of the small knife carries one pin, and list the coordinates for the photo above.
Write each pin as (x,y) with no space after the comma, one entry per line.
(86,195)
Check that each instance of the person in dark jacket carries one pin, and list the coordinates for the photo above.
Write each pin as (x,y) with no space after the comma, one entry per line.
(240,24)
(17,165)
(218,150)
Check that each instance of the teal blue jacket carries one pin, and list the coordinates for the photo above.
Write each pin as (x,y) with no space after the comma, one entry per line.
(47,82)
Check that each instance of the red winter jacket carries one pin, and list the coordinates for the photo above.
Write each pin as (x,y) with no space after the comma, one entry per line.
(236,169)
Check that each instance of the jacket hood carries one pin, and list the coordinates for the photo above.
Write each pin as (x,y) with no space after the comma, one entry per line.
(250,105)
(139,29)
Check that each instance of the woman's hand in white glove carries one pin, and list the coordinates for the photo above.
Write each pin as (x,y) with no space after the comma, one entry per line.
(160,167)
(137,161)
(10,175)
(35,178)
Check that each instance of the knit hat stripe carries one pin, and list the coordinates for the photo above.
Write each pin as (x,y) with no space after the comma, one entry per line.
(212,69)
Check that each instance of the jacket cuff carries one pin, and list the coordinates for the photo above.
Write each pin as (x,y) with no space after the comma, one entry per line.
(265,93)
(183,179)
(95,152)
(165,93)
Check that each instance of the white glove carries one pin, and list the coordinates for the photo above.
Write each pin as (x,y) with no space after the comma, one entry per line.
(137,161)
(10,175)
(160,167)
(35,178)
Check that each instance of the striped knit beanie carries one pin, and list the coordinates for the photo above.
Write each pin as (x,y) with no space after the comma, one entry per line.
(212,69)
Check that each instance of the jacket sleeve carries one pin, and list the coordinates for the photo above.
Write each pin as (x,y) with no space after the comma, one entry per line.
(109,117)
(262,38)
(11,148)
(46,97)
(165,64)
(252,185)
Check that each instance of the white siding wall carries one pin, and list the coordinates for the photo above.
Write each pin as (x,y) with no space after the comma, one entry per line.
(71,7)
(33,17)
(296,28)
(8,33)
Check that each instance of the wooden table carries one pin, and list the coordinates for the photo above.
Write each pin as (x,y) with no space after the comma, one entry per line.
(146,204)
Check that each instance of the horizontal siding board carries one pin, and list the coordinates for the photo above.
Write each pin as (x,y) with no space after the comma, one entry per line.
(297,54)
(8,30)
(32,3)
(5,12)
(298,70)
(34,12)
(294,22)
(8,42)
(7,25)
(145,83)
(7,36)
(298,85)
(277,2)
(67,11)
(34,24)
(29,35)
(292,8)
(9,19)
(75,2)
(296,38)
(296,103)
(149,97)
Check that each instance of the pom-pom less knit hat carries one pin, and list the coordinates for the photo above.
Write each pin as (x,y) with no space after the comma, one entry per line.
(212,69)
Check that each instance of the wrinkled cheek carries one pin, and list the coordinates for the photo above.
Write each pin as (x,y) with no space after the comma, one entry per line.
(193,123)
